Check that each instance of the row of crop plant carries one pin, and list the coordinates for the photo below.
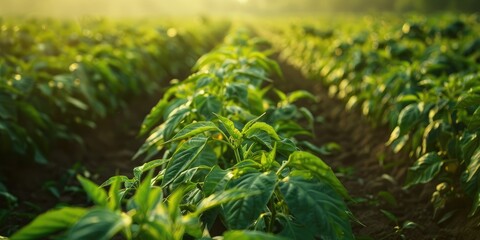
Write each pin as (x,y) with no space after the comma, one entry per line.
(419,75)
(58,74)
(230,165)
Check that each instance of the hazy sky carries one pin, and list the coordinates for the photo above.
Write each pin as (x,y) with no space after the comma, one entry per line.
(120,7)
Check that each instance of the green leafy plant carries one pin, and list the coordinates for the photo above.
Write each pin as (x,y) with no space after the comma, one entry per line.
(58,75)
(229,160)
(419,77)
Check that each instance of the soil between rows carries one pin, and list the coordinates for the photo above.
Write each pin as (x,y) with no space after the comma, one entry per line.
(107,151)
(373,174)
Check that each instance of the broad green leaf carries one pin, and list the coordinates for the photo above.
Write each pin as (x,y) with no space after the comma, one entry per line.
(280,94)
(261,126)
(474,123)
(295,230)
(193,129)
(153,117)
(304,160)
(114,196)
(424,169)
(408,117)
(299,94)
(174,201)
(181,160)
(262,137)
(138,171)
(174,119)
(146,197)
(237,91)
(207,106)
(157,229)
(113,179)
(153,144)
(219,198)
(397,141)
(409,98)
(50,223)
(251,122)
(309,116)
(473,165)
(255,101)
(250,235)
(242,213)
(230,127)
(99,224)
(468,100)
(476,204)
(216,180)
(96,193)
(317,208)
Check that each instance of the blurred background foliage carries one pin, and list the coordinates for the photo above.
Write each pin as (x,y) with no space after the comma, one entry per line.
(158,8)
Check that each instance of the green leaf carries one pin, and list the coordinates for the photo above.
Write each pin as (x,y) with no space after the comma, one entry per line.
(261,137)
(424,169)
(115,198)
(183,158)
(31,113)
(230,127)
(153,117)
(295,230)
(317,207)
(77,103)
(174,120)
(99,224)
(207,106)
(250,235)
(237,91)
(243,212)
(173,205)
(50,223)
(304,160)
(113,179)
(193,129)
(299,94)
(251,122)
(142,195)
(474,122)
(261,126)
(473,165)
(216,180)
(219,198)
(138,171)
(468,100)
(390,216)
(97,194)
(408,117)
(255,101)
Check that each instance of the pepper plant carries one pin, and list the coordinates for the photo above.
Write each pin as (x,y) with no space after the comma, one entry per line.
(229,160)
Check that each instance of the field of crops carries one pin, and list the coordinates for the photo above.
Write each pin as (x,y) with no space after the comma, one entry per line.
(352,127)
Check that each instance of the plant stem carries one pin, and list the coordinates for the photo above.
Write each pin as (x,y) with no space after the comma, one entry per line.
(271,206)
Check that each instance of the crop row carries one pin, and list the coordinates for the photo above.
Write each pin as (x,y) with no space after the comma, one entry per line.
(58,75)
(420,76)
(230,165)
